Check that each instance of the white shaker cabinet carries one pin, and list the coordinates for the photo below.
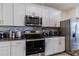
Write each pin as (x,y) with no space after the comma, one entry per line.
(1,14)
(33,10)
(45,17)
(50,17)
(54,45)
(7,14)
(55,18)
(5,48)
(18,48)
(13,48)
(50,46)
(19,14)
(61,44)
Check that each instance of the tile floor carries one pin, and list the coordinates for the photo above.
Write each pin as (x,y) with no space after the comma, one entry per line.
(62,54)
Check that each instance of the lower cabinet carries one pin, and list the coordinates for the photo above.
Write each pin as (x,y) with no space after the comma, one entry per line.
(12,48)
(49,46)
(18,48)
(61,44)
(5,48)
(54,45)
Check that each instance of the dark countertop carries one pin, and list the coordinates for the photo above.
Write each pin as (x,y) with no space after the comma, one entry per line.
(53,36)
(14,39)
(11,39)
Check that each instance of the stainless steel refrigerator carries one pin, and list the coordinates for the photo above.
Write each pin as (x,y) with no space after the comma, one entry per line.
(70,28)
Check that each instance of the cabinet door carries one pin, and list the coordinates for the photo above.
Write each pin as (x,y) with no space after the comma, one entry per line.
(52,19)
(50,46)
(5,51)
(62,44)
(19,14)
(18,48)
(34,10)
(1,15)
(75,13)
(56,39)
(57,20)
(18,51)
(5,48)
(7,14)
(45,17)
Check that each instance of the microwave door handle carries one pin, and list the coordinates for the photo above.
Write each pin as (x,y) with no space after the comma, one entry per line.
(39,21)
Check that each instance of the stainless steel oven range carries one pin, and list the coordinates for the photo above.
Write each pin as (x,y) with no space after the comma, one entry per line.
(35,44)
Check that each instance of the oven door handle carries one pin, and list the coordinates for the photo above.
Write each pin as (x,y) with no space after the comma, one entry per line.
(34,40)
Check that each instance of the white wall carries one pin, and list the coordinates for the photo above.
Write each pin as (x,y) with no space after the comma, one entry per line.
(71,13)
(68,14)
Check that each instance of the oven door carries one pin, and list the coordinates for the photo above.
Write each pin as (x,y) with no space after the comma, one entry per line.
(35,46)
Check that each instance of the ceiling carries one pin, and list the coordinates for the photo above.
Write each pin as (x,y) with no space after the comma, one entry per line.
(61,6)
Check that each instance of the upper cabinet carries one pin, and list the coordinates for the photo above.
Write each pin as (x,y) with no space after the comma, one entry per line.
(56,18)
(76,12)
(19,14)
(45,17)
(6,12)
(14,14)
(7,15)
(1,21)
(33,10)
(51,17)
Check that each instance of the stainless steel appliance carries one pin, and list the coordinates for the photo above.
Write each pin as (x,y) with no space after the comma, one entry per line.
(35,43)
(70,28)
(35,46)
(33,21)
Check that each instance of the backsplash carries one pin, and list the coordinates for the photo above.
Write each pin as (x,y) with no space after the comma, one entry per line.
(51,28)
(21,28)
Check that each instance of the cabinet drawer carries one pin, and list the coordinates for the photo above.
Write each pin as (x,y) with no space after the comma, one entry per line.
(3,44)
(18,43)
(63,38)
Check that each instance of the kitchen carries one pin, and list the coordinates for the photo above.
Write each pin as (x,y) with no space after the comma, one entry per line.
(29,29)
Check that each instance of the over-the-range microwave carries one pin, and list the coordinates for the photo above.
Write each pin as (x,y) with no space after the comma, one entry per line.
(33,21)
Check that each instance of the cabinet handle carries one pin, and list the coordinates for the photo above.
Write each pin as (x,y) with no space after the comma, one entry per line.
(18,42)
(60,42)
